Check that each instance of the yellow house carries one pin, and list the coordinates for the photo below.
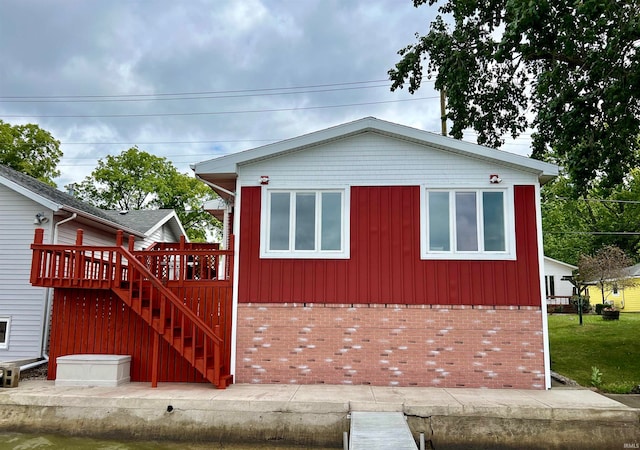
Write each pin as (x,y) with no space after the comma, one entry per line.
(626,299)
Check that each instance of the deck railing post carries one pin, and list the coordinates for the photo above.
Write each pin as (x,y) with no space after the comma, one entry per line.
(36,259)
(119,238)
(79,260)
(155,359)
(131,242)
(79,236)
(229,271)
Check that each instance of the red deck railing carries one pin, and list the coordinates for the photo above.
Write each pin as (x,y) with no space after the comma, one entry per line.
(183,291)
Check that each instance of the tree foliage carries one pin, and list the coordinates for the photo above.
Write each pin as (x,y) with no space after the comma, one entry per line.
(31,150)
(136,179)
(606,268)
(599,217)
(568,69)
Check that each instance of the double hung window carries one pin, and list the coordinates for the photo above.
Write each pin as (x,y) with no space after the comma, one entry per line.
(305,224)
(467,224)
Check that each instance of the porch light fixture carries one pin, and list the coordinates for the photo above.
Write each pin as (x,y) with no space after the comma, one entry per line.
(40,219)
(264,179)
(495,179)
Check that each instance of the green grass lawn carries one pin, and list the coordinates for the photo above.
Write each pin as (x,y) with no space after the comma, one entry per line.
(611,346)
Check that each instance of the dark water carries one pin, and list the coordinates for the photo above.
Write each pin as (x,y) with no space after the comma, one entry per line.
(21,441)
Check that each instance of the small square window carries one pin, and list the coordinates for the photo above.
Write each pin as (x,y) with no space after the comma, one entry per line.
(4,332)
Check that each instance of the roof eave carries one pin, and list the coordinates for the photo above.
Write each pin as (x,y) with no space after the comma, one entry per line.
(31,195)
(100,220)
(226,167)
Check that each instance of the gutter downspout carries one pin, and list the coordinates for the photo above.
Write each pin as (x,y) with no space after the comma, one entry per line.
(47,306)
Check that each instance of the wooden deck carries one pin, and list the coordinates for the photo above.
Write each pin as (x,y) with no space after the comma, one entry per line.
(165,306)
(380,430)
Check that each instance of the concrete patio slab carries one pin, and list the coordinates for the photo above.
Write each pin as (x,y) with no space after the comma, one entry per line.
(319,414)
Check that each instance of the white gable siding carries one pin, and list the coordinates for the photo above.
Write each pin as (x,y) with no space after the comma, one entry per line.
(162,234)
(20,301)
(372,159)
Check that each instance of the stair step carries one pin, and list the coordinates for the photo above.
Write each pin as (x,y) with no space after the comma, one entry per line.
(139,298)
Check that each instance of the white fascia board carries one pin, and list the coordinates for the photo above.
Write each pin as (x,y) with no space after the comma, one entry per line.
(45,202)
(567,265)
(469,149)
(227,165)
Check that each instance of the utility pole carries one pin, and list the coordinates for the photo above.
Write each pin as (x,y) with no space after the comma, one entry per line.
(443,111)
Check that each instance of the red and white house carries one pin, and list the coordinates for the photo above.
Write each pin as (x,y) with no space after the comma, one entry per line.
(375,253)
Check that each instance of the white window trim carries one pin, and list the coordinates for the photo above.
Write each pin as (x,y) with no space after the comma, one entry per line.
(265,253)
(5,345)
(615,292)
(510,229)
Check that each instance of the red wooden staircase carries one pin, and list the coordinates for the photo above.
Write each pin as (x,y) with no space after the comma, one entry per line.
(182,291)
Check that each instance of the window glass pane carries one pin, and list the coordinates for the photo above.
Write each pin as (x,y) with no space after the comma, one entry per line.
(305,221)
(493,216)
(466,222)
(331,227)
(3,332)
(279,221)
(439,221)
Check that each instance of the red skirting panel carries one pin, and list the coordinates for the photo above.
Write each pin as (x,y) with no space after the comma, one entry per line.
(98,322)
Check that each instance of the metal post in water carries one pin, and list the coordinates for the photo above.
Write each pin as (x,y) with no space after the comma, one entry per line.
(345,440)
(422,443)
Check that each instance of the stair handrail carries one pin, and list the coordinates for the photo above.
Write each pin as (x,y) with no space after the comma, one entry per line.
(134,262)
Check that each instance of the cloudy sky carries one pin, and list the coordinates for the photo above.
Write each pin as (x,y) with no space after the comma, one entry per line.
(197,79)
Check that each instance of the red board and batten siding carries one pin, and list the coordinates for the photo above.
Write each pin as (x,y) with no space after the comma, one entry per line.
(385,264)
(97,321)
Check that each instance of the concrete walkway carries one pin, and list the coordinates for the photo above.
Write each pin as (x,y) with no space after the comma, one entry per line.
(318,414)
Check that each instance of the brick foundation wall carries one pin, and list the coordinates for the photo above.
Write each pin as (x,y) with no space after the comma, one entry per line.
(397,345)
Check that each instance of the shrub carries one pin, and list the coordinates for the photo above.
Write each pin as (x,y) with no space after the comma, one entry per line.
(586,307)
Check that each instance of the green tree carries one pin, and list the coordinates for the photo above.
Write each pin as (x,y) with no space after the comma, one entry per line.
(31,150)
(599,217)
(138,180)
(565,225)
(572,66)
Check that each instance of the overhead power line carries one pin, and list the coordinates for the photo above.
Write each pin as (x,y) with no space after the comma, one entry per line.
(599,200)
(597,233)
(217,141)
(170,94)
(211,113)
(203,96)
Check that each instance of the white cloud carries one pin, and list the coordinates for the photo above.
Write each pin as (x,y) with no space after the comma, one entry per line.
(134,47)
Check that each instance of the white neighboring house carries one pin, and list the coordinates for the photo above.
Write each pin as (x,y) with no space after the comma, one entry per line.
(558,291)
(27,204)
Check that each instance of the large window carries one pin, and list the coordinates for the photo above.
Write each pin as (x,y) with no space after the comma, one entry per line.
(4,332)
(467,224)
(305,224)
